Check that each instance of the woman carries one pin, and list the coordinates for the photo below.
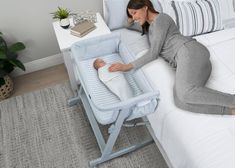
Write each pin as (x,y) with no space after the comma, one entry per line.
(186,55)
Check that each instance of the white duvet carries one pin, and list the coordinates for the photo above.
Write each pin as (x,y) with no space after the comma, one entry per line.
(193,140)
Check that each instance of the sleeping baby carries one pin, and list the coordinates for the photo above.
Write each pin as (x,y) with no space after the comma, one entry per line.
(115,81)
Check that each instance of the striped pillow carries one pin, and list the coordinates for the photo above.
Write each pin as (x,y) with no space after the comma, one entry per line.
(194,18)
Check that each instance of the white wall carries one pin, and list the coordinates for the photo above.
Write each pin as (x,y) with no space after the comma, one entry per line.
(30,21)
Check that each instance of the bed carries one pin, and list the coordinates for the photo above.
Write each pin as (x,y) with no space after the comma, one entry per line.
(186,139)
(193,140)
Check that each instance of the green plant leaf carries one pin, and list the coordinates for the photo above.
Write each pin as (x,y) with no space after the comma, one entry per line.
(17,47)
(61,13)
(3,55)
(1,65)
(6,67)
(8,57)
(2,81)
(11,55)
(2,73)
(17,63)
(3,44)
(0,33)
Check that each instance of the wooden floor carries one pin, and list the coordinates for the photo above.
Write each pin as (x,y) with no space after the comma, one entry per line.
(39,79)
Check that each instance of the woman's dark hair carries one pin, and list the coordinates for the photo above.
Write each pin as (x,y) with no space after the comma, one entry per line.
(138,4)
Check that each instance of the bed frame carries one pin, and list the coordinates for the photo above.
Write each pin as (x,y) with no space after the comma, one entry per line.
(151,131)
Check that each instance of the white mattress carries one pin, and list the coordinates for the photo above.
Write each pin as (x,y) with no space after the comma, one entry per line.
(197,140)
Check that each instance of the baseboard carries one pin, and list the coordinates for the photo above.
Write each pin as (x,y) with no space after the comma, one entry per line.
(39,64)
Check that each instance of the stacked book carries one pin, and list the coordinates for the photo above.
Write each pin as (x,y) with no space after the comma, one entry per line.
(82,28)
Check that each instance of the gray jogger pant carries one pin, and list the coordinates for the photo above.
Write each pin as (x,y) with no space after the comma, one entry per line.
(192,72)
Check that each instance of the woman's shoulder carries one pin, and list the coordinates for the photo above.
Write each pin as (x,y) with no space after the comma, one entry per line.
(165,16)
(163,19)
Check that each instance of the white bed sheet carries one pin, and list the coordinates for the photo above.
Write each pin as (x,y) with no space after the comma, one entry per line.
(193,140)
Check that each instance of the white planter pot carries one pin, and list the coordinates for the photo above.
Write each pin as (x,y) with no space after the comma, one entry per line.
(64,23)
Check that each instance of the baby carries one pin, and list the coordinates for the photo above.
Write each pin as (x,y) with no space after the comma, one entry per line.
(115,81)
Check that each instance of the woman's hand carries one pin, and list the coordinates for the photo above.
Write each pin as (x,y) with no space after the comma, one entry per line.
(120,67)
(130,20)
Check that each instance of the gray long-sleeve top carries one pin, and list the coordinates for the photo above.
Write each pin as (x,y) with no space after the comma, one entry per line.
(165,40)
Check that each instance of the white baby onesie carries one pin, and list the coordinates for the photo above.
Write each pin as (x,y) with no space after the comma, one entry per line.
(116,82)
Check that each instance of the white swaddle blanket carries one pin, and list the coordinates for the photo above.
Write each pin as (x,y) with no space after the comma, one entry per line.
(116,82)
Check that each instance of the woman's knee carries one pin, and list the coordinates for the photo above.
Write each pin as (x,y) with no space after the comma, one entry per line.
(180,96)
(183,96)
(179,103)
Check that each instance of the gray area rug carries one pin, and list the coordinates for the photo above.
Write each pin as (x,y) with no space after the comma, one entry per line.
(39,130)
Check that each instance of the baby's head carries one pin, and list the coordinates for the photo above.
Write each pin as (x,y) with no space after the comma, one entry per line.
(98,63)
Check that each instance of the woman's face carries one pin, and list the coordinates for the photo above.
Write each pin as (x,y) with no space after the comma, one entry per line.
(139,15)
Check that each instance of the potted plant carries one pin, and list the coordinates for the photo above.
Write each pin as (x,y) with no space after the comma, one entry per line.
(62,14)
(8,61)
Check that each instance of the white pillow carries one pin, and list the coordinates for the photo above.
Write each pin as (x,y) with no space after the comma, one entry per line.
(115,13)
(228,14)
(199,17)
(231,4)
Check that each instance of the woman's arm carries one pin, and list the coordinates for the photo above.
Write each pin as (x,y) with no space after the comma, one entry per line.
(120,67)
(157,37)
